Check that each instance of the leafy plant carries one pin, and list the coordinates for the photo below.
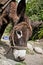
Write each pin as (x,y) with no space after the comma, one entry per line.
(37,33)
(35,7)
(40,32)
(8,29)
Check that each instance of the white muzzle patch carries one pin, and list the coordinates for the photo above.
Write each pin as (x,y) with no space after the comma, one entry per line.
(19,53)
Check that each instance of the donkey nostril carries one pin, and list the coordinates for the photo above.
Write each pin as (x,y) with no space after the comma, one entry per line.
(20,58)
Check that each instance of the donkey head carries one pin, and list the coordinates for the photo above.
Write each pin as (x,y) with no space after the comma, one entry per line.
(21,31)
(19,36)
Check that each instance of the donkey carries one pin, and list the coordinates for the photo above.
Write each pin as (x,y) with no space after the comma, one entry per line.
(10,14)
(19,37)
(22,29)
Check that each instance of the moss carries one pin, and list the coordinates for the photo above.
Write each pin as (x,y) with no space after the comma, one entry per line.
(29,52)
(21,63)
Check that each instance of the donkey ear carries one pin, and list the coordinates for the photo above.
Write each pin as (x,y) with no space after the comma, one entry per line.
(21,7)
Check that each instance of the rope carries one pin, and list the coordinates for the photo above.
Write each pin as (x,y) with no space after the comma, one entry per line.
(16,47)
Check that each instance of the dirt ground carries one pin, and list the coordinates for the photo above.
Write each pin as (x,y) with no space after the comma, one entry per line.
(35,59)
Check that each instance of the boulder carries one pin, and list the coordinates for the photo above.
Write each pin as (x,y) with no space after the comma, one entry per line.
(29,46)
(38,50)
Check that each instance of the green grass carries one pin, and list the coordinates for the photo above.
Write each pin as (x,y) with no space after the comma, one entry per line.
(8,29)
(21,63)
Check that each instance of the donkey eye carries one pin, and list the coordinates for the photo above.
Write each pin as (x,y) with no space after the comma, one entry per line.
(19,34)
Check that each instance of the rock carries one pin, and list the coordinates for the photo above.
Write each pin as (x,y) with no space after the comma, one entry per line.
(31,42)
(37,40)
(29,46)
(4,62)
(7,62)
(38,50)
(2,50)
(6,41)
(2,57)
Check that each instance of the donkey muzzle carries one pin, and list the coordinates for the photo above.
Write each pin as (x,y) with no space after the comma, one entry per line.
(19,55)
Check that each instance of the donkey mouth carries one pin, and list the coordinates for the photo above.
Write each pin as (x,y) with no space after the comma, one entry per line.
(19,55)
